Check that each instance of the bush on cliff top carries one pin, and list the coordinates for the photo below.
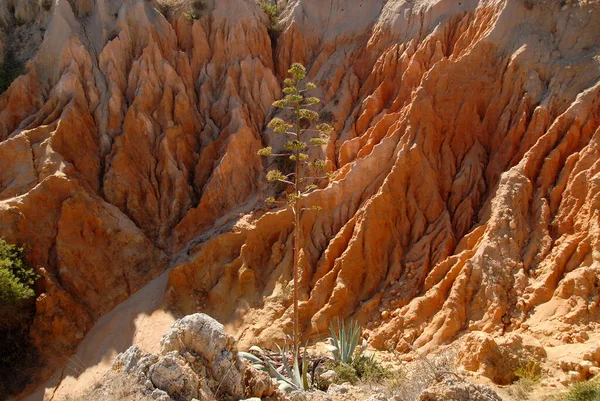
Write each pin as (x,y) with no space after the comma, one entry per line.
(272,12)
(17,308)
(16,279)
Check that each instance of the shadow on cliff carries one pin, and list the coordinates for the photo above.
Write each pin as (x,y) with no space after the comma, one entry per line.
(138,319)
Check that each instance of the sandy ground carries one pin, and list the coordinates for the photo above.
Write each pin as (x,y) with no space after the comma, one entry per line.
(139,320)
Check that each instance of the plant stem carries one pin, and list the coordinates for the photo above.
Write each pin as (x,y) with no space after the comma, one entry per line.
(296,205)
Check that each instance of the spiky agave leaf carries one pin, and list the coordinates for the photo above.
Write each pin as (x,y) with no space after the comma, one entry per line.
(255,361)
(305,384)
(257,349)
(249,357)
(344,340)
(267,365)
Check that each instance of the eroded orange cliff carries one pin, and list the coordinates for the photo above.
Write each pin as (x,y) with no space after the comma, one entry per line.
(466,187)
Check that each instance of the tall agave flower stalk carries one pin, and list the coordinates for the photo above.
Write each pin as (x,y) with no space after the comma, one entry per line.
(301,136)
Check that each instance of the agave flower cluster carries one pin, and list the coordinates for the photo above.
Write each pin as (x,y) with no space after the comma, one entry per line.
(300,139)
(303,132)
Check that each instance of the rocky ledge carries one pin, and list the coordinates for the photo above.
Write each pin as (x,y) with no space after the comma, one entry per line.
(199,361)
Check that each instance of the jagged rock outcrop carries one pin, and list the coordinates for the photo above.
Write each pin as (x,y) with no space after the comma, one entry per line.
(465,194)
(465,152)
(448,390)
(198,360)
(499,359)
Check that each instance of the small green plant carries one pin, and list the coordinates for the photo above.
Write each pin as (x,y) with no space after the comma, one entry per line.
(46,4)
(344,340)
(530,370)
(345,373)
(583,391)
(368,369)
(528,374)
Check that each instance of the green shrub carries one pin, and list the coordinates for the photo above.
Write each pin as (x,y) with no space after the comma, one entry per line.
(9,70)
(584,391)
(529,371)
(271,10)
(345,373)
(16,279)
(368,369)
(529,374)
(17,307)
(362,368)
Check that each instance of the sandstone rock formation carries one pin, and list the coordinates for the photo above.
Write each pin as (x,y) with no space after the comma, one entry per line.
(198,360)
(459,391)
(466,152)
(499,359)
(465,195)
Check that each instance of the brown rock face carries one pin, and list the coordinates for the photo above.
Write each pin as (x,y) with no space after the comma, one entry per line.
(466,149)
(465,152)
(499,359)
